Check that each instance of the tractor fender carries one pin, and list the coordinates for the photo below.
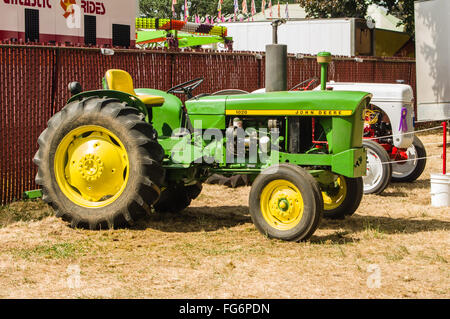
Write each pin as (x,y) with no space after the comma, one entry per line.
(131,100)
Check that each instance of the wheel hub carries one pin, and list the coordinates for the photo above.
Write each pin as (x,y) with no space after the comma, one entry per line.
(374,170)
(403,169)
(335,196)
(281,204)
(91,165)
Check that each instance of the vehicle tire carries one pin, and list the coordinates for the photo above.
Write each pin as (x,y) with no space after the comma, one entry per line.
(411,170)
(379,168)
(345,199)
(98,164)
(177,197)
(285,203)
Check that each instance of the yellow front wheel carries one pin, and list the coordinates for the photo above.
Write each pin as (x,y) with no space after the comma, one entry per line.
(285,203)
(99,164)
(335,195)
(281,204)
(342,197)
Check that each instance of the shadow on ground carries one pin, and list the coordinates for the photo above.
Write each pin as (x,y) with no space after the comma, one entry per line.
(417,184)
(385,225)
(196,219)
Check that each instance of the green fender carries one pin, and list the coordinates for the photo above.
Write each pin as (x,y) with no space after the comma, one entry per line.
(131,100)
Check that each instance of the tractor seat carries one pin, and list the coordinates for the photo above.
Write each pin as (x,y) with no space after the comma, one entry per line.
(120,80)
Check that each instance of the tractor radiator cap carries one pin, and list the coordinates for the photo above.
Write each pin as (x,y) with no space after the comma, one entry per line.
(324,57)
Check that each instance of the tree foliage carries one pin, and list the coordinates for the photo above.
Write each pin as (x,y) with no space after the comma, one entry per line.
(163,8)
(402,9)
(335,8)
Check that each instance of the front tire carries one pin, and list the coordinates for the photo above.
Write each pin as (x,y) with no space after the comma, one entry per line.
(345,199)
(411,170)
(285,203)
(379,168)
(98,164)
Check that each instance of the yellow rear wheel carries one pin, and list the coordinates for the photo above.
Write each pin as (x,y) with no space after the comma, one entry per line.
(99,164)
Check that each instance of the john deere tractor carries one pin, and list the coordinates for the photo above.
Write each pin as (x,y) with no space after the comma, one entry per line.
(113,155)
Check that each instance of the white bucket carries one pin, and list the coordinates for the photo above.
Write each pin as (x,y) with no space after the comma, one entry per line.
(440,190)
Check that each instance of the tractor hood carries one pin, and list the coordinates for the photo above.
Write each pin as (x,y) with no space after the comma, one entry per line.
(316,103)
(211,111)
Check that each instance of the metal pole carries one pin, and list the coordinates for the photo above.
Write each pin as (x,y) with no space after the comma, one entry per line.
(444,155)
(274,33)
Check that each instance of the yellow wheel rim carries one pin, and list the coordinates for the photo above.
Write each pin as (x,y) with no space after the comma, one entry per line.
(91,166)
(281,204)
(334,198)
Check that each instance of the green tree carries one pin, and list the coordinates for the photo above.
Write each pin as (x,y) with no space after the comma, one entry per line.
(163,8)
(402,9)
(335,8)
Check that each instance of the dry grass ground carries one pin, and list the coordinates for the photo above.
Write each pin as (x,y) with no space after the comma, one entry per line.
(212,250)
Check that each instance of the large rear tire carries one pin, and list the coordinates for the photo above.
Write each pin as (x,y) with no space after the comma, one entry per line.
(344,200)
(285,203)
(99,164)
(379,168)
(404,172)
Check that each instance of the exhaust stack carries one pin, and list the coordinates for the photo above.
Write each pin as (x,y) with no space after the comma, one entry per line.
(323,58)
(276,61)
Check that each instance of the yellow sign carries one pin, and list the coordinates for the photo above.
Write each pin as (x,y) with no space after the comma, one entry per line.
(291,112)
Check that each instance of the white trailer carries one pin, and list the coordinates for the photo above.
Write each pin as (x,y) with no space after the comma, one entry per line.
(433,59)
(346,37)
(99,22)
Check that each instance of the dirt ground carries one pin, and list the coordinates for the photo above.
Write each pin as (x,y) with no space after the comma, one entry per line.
(395,246)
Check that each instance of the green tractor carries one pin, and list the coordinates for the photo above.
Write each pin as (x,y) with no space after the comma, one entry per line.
(111,156)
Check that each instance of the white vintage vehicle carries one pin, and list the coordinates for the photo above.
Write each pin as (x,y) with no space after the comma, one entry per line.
(392,148)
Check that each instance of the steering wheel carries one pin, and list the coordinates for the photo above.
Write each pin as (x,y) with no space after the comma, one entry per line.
(186,87)
(305,85)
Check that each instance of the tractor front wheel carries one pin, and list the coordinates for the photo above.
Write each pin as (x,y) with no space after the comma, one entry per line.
(285,203)
(344,198)
(98,164)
